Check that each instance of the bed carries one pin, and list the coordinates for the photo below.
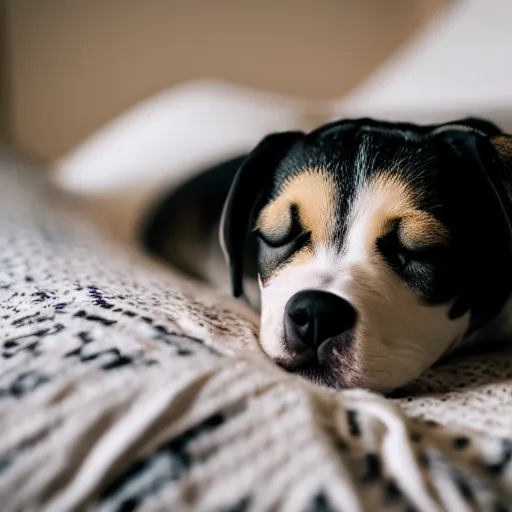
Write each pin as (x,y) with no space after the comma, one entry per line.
(125,386)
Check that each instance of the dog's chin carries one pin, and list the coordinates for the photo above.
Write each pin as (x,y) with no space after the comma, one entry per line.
(334,367)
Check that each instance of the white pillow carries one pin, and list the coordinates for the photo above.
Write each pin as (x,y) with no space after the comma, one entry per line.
(172,134)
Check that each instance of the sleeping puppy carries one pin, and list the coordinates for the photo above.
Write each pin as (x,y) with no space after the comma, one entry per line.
(378,248)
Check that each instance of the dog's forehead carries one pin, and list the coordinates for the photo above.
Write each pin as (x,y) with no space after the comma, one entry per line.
(352,153)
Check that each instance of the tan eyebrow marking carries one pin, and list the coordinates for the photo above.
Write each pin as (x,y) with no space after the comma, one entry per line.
(387,198)
(313,192)
(419,229)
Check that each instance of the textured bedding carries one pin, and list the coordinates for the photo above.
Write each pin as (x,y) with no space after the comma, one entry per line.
(126,387)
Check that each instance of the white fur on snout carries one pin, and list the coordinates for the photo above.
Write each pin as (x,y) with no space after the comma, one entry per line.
(321,273)
(274,297)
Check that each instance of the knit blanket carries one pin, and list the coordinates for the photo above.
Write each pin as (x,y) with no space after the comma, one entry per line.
(124,386)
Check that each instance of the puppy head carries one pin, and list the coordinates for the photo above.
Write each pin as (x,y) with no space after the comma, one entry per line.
(381,246)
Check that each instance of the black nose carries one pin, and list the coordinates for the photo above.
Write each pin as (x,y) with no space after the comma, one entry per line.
(313,316)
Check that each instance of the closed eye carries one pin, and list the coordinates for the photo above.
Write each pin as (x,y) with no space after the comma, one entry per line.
(283,235)
(275,251)
(399,257)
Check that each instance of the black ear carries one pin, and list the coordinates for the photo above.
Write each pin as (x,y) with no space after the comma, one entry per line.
(480,171)
(251,182)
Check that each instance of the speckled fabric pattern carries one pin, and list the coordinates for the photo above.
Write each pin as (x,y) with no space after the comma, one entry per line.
(125,387)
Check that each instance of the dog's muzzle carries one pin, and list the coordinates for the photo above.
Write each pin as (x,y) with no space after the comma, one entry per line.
(312,317)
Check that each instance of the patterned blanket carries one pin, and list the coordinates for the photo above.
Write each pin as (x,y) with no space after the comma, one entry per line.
(126,387)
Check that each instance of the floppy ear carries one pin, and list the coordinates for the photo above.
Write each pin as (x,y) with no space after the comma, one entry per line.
(251,182)
(485,174)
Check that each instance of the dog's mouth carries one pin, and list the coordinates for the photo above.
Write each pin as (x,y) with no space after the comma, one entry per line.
(332,364)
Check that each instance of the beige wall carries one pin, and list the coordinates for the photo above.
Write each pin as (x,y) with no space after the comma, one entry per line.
(4,82)
(77,63)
